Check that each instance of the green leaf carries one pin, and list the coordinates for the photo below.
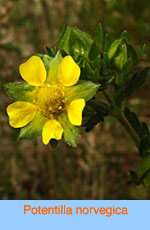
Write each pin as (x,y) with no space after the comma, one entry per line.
(34,128)
(99,37)
(100,110)
(127,67)
(113,48)
(71,132)
(132,118)
(20,91)
(137,81)
(146,179)
(106,81)
(75,42)
(144,167)
(97,63)
(84,89)
(144,148)
(51,52)
(94,51)
(46,59)
(132,53)
(125,35)
(121,57)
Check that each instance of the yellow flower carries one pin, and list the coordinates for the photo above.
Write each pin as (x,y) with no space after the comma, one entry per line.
(49,101)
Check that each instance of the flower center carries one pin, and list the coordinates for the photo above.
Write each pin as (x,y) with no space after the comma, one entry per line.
(51,100)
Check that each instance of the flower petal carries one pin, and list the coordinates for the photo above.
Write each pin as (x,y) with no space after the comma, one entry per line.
(52,129)
(69,71)
(20,113)
(33,71)
(75,110)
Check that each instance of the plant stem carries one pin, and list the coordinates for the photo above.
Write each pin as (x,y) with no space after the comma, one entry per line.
(107,97)
(120,117)
(117,113)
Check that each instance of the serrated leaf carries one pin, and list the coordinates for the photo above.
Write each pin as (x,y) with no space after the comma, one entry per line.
(75,42)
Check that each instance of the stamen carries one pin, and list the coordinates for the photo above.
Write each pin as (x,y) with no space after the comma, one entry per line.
(51,100)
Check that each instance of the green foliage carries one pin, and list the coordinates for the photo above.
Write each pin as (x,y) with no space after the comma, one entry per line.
(95,112)
(137,81)
(106,67)
(71,132)
(34,128)
(20,91)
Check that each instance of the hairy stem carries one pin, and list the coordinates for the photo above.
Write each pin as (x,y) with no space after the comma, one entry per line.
(117,112)
(120,117)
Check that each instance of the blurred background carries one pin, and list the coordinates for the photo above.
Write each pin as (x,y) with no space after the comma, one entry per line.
(97,168)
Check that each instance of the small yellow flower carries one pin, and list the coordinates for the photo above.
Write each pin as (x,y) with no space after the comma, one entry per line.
(49,100)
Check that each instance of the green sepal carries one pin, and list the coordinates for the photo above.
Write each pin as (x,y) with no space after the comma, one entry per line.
(34,128)
(53,68)
(46,60)
(20,91)
(84,89)
(71,132)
